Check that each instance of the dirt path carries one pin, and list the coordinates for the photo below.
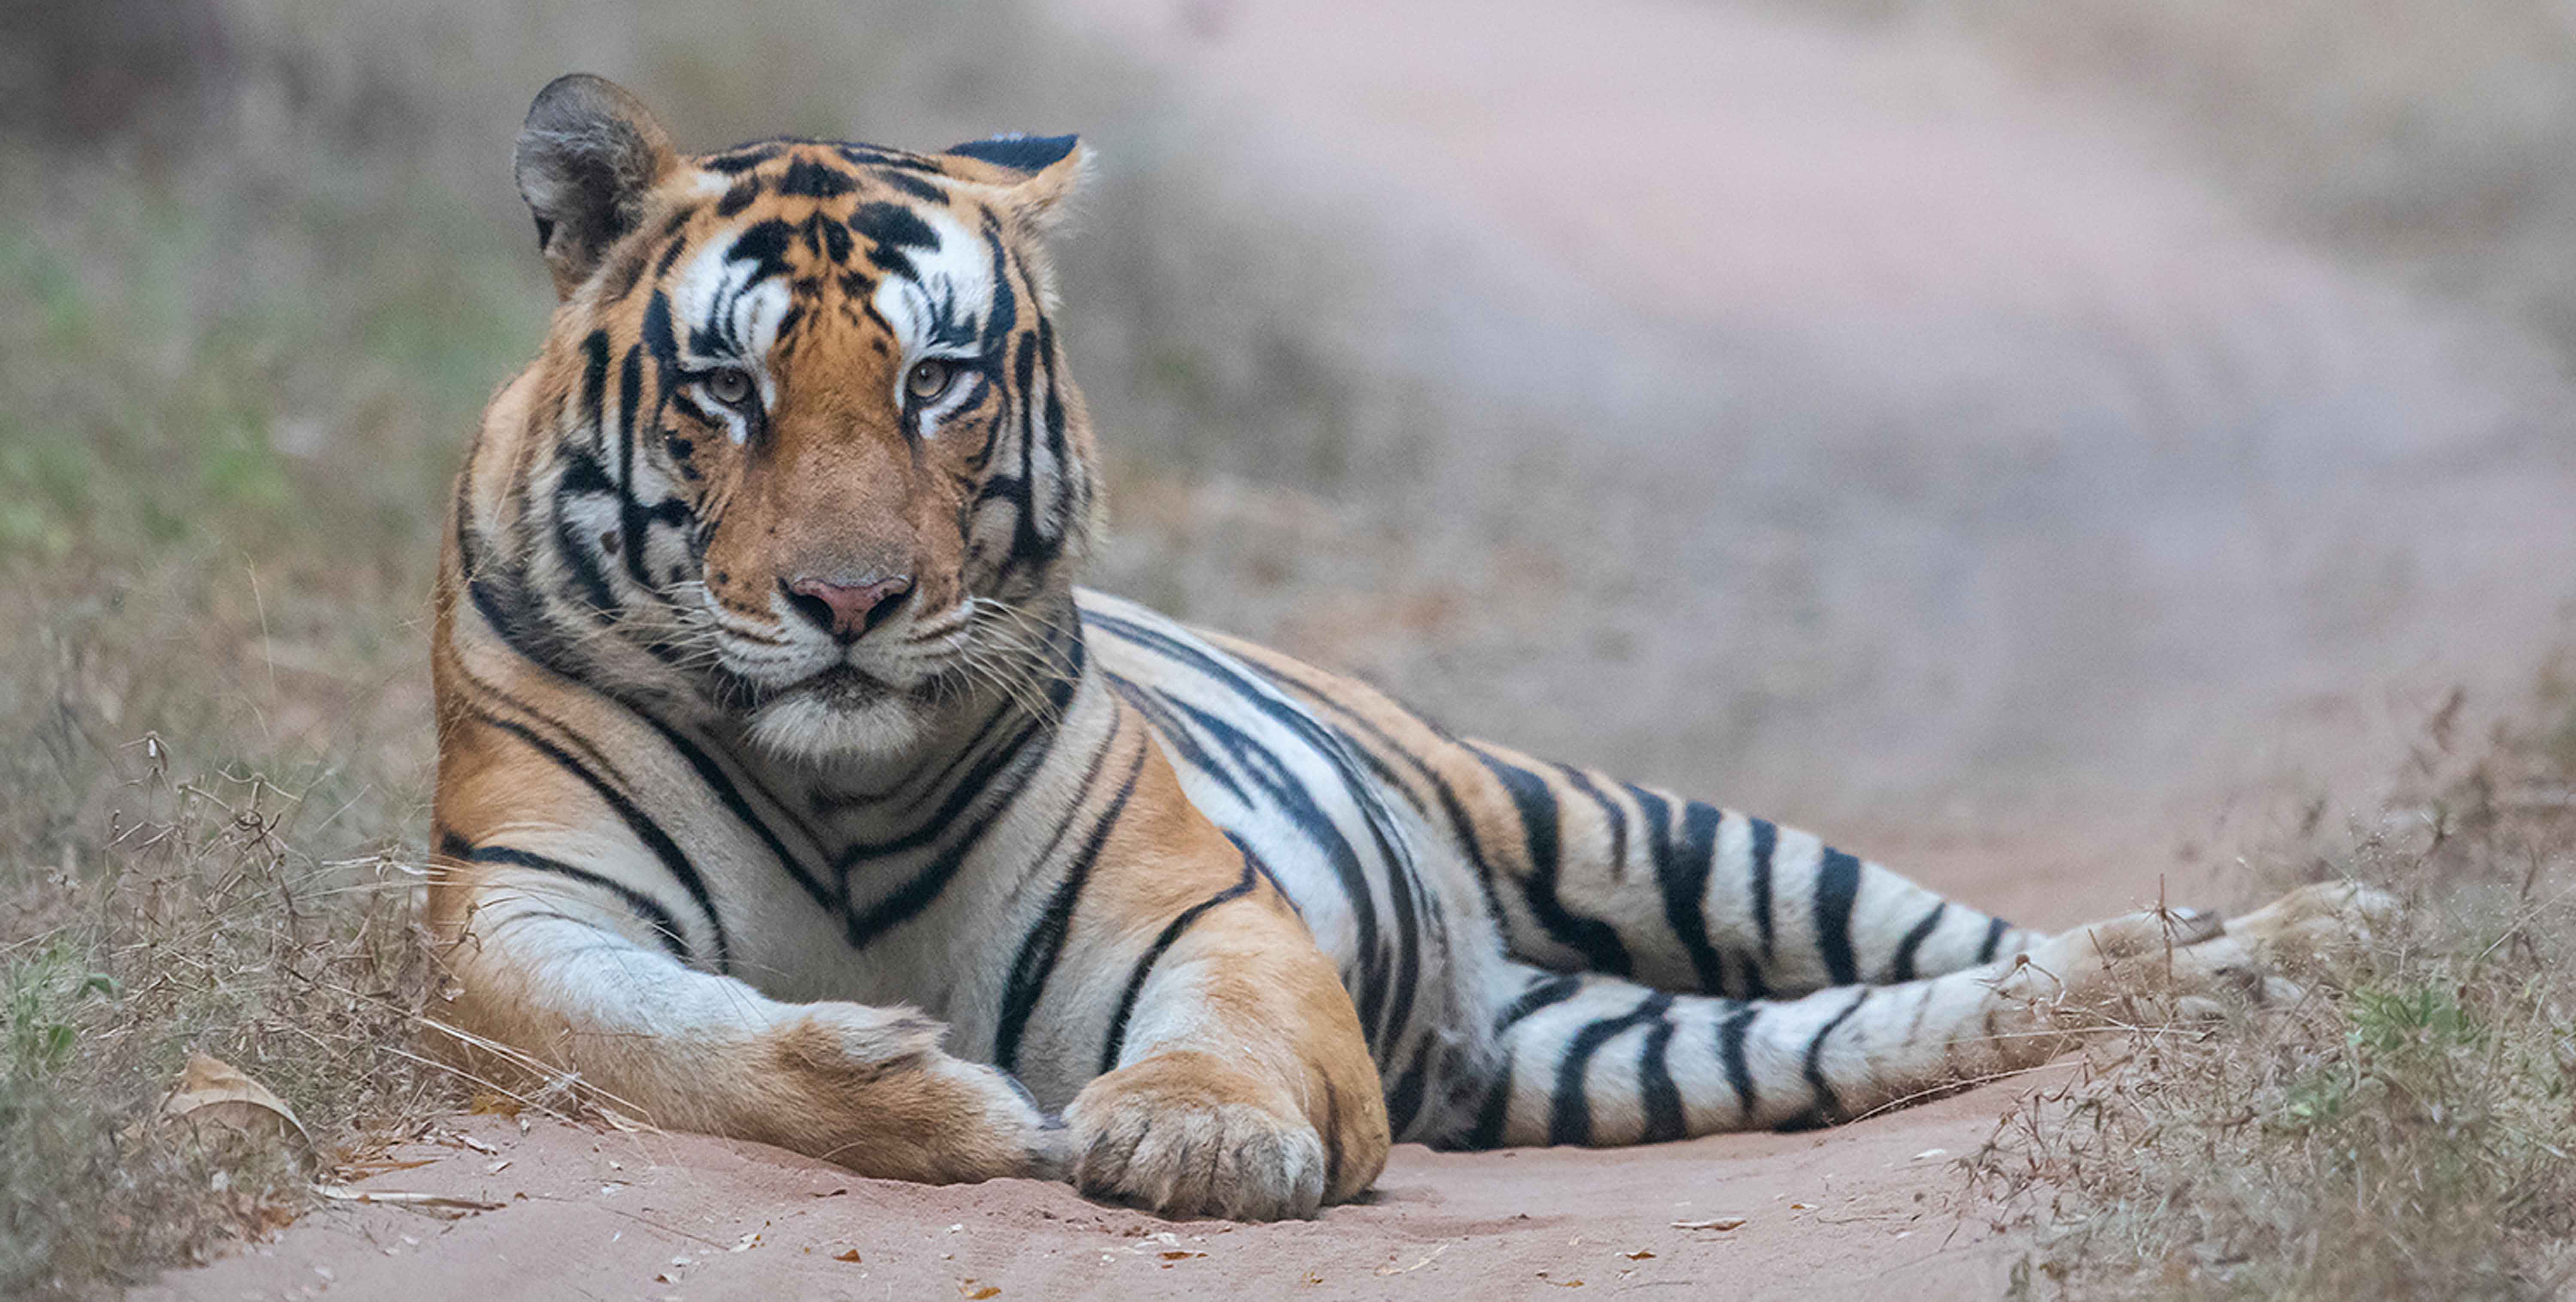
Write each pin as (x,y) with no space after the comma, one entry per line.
(583,1214)
(1834,427)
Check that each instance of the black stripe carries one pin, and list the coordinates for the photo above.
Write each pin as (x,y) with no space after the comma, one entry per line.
(1569,1108)
(1594,939)
(641,905)
(1553,990)
(582,474)
(594,376)
(1404,1097)
(1290,681)
(1730,1053)
(1837,888)
(1176,734)
(1451,807)
(1902,968)
(740,160)
(914,186)
(809,179)
(1661,1098)
(978,780)
(1995,928)
(1683,875)
(1495,1112)
(726,794)
(907,901)
(1766,838)
(631,515)
(1117,1041)
(1610,812)
(1373,999)
(1828,1107)
(644,828)
(1289,796)
(1043,947)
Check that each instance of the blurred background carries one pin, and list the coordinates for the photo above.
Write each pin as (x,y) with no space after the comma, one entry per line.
(2040,445)
(2057,449)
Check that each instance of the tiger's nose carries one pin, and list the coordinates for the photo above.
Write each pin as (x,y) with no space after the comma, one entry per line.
(847,610)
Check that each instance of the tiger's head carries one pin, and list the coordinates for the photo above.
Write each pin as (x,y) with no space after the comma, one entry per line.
(802,432)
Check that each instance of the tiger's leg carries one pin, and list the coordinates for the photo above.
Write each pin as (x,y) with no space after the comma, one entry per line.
(1597,874)
(572,942)
(1234,1080)
(1585,872)
(1597,1060)
(563,973)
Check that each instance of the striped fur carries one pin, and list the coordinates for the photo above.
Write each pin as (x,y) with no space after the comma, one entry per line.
(998,876)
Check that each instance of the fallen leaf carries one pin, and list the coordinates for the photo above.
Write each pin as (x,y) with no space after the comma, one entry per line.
(212,1091)
(498,1167)
(851,1255)
(1639,1255)
(403,1198)
(1391,1268)
(1181,1254)
(973,1293)
(1713,1223)
(746,1243)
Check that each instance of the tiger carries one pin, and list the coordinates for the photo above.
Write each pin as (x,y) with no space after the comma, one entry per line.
(790,789)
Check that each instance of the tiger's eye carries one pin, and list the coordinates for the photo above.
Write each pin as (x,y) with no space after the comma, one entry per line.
(930,378)
(730,385)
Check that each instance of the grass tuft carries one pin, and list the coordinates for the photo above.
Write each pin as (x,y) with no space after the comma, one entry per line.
(205,930)
(2408,1130)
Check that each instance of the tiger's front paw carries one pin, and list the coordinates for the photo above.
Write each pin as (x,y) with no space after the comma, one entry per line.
(1186,1135)
(871,1089)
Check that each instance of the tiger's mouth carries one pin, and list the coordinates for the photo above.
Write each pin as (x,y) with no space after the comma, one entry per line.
(844,685)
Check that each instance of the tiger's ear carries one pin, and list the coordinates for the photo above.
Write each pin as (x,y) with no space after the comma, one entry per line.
(588,155)
(1034,174)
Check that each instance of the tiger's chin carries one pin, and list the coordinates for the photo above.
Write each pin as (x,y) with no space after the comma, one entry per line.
(841,716)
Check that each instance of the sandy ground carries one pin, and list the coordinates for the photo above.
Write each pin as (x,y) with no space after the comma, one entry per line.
(1857,1212)
(1831,426)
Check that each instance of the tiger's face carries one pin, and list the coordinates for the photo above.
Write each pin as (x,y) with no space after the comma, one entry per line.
(816,419)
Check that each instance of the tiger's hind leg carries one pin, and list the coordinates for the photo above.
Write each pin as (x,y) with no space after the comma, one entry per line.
(1596,874)
(1583,872)
(1589,1059)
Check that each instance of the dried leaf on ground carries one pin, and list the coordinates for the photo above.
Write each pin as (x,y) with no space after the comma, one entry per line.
(214,1092)
(1713,1223)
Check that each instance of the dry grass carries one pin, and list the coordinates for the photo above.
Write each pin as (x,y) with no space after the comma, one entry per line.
(2407,1131)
